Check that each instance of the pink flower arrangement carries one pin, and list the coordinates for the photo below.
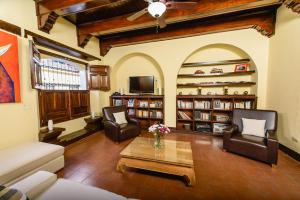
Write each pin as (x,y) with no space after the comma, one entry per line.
(159,128)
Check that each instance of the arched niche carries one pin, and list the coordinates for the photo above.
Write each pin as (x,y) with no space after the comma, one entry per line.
(212,53)
(135,64)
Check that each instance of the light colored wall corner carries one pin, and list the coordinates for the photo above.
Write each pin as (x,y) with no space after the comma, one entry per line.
(284,80)
(171,54)
(20,122)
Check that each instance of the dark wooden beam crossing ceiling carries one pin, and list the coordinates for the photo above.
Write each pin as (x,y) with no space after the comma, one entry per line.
(106,19)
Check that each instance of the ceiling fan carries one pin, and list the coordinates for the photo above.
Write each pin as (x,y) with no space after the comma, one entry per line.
(157,9)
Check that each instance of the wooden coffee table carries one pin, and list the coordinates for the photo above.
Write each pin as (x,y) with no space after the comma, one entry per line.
(174,157)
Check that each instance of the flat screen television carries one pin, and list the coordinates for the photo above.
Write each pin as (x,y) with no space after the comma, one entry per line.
(141,84)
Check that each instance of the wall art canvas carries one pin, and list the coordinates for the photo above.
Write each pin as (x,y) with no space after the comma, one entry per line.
(9,69)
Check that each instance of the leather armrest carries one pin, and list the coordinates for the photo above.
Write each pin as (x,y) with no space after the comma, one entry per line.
(271,135)
(134,121)
(111,124)
(231,131)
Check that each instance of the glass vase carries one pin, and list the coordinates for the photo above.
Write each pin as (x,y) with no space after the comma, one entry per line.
(157,143)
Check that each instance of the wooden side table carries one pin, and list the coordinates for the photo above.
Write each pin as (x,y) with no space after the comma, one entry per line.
(93,124)
(50,136)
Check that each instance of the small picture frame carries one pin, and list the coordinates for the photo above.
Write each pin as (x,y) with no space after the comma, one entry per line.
(242,67)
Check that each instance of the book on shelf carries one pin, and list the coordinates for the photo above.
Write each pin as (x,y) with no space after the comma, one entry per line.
(243,105)
(219,127)
(222,117)
(184,104)
(202,104)
(183,115)
(203,127)
(156,114)
(222,105)
(156,104)
(204,116)
(142,113)
(143,104)
(131,112)
(130,103)
(117,102)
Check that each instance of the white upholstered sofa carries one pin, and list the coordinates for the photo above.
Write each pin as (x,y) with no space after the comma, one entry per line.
(45,186)
(23,160)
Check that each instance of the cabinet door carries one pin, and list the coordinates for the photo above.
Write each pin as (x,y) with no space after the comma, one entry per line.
(94,82)
(53,105)
(104,83)
(79,104)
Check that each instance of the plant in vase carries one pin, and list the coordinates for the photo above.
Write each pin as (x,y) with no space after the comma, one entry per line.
(158,130)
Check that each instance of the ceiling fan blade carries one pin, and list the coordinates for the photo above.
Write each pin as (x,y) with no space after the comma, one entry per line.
(161,22)
(181,5)
(137,15)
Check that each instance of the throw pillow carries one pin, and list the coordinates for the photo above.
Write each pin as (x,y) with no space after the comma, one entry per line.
(120,118)
(254,127)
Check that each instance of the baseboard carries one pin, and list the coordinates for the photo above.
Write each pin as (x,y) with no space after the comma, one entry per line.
(290,152)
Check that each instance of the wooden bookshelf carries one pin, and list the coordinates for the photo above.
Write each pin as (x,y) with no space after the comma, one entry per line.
(222,62)
(216,74)
(235,101)
(145,121)
(233,84)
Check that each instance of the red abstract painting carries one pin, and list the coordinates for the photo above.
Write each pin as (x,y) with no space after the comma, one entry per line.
(9,69)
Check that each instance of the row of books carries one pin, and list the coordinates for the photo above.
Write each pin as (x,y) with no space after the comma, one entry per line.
(183,115)
(202,116)
(142,113)
(222,105)
(221,118)
(156,114)
(202,104)
(243,105)
(184,104)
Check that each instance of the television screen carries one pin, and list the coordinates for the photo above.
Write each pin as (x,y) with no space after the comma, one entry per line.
(141,84)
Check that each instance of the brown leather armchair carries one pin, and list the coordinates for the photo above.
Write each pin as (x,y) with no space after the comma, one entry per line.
(263,149)
(119,132)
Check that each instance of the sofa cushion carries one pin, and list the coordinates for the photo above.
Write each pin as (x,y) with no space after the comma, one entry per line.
(254,127)
(120,117)
(19,160)
(69,190)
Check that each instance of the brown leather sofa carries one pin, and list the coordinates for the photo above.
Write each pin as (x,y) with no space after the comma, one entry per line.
(118,132)
(263,149)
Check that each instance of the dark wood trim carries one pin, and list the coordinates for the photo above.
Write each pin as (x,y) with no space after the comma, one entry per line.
(191,85)
(263,21)
(82,40)
(289,152)
(54,45)
(42,51)
(223,62)
(216,75)
(10,28)
(294,5)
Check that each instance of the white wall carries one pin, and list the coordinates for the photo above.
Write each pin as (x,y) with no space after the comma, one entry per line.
(284,77)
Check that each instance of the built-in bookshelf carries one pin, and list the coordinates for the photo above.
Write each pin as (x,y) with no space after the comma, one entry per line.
(149,109)
(210,113)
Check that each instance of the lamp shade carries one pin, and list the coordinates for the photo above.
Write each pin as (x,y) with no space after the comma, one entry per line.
(157,9)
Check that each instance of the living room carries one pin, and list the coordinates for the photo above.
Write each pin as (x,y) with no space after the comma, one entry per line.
(241,53)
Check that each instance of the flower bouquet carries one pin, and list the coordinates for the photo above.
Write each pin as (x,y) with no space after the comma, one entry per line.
(158,130)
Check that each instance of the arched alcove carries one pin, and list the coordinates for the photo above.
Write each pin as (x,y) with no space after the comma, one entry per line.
(213,53)
(135,64)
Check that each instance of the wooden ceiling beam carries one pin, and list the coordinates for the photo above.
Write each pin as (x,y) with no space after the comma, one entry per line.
(204,9)
(263,22)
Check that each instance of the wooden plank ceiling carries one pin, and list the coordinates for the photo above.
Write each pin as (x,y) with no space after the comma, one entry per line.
(106,19)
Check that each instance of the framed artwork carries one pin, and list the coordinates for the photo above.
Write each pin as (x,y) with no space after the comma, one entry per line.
(242,67)
(9,69)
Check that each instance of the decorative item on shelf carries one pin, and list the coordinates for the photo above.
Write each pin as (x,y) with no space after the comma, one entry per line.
(236,93)
(199,90)
(226,90)
(116,94)
(242,67)
(199,72)
(50,125)
(93,115)
(121,91)
(187,127)
(209,93)
(245,92)
(216,71)
(158,130)
(180,93)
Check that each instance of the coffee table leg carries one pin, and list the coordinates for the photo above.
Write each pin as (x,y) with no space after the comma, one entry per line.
(190,178)
(121,166)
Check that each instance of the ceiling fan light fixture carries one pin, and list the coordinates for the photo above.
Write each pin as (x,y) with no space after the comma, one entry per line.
(157,9)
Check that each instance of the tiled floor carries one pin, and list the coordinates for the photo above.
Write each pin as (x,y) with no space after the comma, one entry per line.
(219,175)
